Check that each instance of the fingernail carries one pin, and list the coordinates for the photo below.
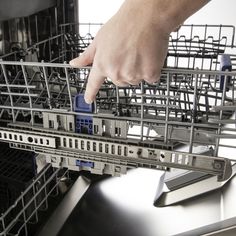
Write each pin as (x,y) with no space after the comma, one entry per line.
(88,100)
(72,63)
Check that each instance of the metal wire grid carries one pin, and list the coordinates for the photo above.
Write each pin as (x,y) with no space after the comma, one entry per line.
(187,106)
(26,209)
(17,168)
(198,46)
(190,101)
(71,40)
(47,50)
(78,36)
(186,45)
(30,88)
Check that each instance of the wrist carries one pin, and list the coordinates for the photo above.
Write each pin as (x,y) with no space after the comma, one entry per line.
(172,13)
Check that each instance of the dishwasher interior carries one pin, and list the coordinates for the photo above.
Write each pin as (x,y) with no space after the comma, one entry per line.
(183,125)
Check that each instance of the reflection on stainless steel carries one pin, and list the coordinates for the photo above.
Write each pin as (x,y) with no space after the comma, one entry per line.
(59,217)
(123,206)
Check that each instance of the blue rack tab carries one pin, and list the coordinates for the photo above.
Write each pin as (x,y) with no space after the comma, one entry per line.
(84,123)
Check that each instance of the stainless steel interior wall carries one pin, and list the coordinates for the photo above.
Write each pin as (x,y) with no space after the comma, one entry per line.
(14,8)
(24,24)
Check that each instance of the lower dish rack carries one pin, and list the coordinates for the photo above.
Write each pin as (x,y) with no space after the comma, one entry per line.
(26,209)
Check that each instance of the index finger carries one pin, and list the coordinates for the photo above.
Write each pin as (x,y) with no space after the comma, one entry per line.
(95,81)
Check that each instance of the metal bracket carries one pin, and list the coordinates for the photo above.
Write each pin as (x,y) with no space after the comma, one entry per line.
(185,193)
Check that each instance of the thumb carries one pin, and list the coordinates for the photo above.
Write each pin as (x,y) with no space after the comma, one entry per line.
(85,58)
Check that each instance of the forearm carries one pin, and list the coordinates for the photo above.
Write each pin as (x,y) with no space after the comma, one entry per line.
(177,11)
(167,13)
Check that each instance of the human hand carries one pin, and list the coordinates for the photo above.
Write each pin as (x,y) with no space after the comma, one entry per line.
(132,45)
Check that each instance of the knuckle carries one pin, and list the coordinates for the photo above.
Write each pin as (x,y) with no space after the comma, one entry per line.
(134,82)
(114,74)
(132,79)
(115,79)
(151,76)
(151,80)
(119,83)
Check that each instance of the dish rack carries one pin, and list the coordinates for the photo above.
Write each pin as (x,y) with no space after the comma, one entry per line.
(29,204)
(186,120)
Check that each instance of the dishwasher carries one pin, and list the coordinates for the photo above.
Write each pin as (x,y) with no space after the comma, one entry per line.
(183,126)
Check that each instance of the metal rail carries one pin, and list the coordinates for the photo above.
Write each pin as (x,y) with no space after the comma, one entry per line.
(130,156)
